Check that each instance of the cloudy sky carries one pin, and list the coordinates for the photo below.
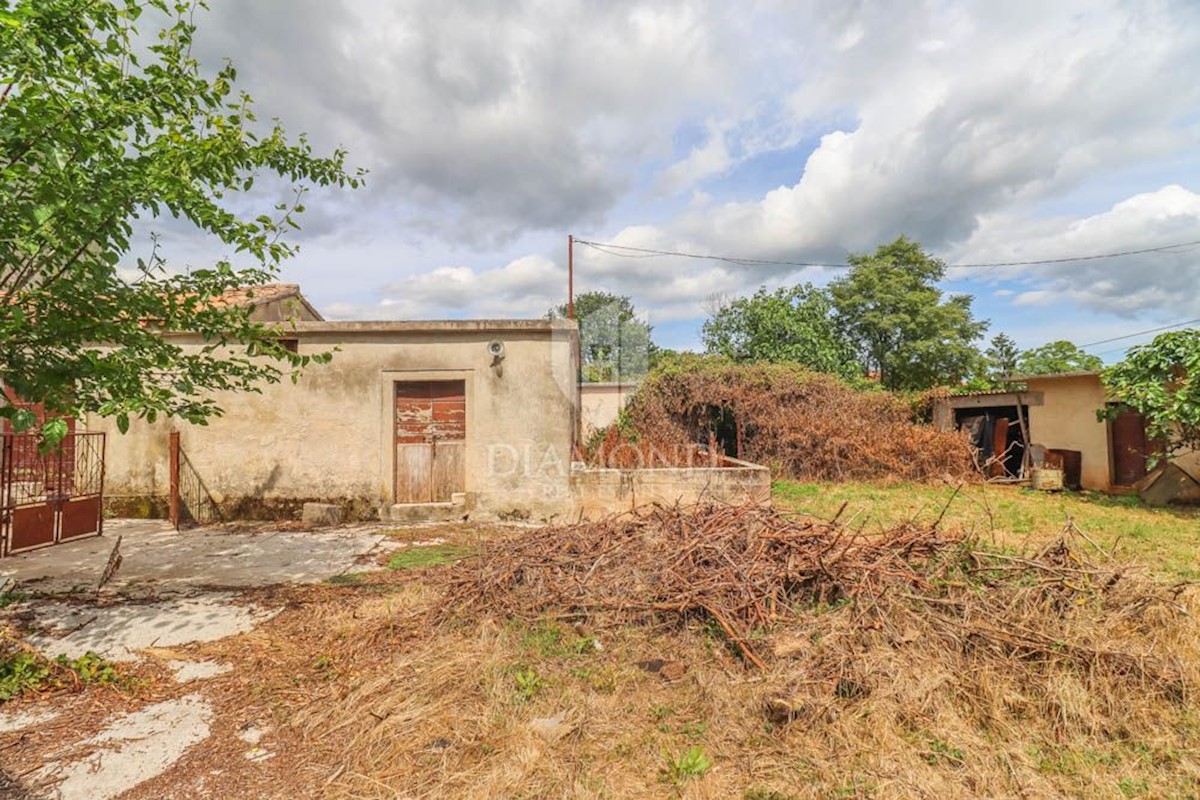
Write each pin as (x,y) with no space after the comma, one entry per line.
(774,130)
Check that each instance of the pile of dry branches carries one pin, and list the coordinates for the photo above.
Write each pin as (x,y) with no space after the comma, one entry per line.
(752,571)
(803,425)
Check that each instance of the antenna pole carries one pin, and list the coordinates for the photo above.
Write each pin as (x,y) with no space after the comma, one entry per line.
(570,277)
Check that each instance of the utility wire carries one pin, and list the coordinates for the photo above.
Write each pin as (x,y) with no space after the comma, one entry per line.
(628,251)
(1141,333)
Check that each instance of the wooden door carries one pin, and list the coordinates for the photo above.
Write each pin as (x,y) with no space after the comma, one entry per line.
(1130,448)
(431,440)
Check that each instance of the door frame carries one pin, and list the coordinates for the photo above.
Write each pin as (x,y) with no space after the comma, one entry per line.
(387,428)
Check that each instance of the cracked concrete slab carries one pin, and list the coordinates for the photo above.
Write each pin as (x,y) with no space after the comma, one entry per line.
(118,631)
(132,749)
(188,671)
(158,559)
(12,721)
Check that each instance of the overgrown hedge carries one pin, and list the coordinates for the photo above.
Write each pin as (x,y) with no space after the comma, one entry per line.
(802,424)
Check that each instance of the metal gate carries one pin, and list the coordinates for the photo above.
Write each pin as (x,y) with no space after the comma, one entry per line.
(47,498)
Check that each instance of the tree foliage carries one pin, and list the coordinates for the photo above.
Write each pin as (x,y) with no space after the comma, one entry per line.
(615,342)
(1056,357)
(1001,356)
(102,124)
(1161,381)
(789,324)
(901,324)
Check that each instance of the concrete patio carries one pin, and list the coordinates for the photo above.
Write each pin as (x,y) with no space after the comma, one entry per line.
(160,560)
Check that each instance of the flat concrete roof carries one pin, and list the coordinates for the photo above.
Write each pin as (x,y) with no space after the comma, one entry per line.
(434,325)
(1055,376)
(986,399)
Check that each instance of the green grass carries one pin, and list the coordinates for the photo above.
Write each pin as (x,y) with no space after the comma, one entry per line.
(549,640)
(527,683)
(1167,540)
(433,556)
(682,768)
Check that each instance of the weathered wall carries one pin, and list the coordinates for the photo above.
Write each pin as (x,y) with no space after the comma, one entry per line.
(600,403)
(1066,420)
(600,492)
(329,437)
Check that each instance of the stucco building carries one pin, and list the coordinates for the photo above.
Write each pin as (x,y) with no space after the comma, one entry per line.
(601,404)
(473,416)
(1060,412)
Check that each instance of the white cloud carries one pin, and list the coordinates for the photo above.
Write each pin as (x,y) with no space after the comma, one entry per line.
(484,119)
(1034,298)
(1167,283)
(528,286)
(493,129)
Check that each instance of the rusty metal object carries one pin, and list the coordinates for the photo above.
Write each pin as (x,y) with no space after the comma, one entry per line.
(173,500)
(50,497)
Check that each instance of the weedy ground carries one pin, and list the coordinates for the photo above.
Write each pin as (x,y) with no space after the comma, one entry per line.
(1165,539)
(371,697)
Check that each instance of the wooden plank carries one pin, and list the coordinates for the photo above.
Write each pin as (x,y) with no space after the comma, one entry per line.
(999,446)
(414,473)
(449,470)
(430,433)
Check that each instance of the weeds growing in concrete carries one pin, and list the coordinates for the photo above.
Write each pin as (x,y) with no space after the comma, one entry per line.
(414,557)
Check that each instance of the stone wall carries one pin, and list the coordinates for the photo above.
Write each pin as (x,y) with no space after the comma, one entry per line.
(599,492)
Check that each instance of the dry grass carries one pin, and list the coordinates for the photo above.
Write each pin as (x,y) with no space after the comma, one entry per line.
(1003,685)
(1087,689)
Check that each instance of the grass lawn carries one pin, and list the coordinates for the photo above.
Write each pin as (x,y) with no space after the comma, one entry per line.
(1167,540)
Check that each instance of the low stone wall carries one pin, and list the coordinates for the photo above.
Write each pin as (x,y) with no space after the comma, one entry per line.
(250,508)
(600,492)
(594,493)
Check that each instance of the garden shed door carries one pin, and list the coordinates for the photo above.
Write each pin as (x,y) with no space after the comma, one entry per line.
(1130,448)
(430,440)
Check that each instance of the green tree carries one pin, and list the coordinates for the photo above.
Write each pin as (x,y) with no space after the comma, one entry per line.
(1161,381)
(1056,357)
(1002,355)
(789,324)
(901,324)
(615,343)
(102,124)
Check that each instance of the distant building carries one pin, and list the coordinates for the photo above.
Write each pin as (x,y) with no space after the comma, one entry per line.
(602,403)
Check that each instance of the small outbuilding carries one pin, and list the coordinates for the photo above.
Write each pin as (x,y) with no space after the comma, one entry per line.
(602,403)
(1060,413)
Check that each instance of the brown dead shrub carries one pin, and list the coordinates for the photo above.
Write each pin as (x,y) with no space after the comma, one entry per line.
(803,425)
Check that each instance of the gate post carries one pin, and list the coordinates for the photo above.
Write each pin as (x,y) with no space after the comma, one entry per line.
(173,462)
